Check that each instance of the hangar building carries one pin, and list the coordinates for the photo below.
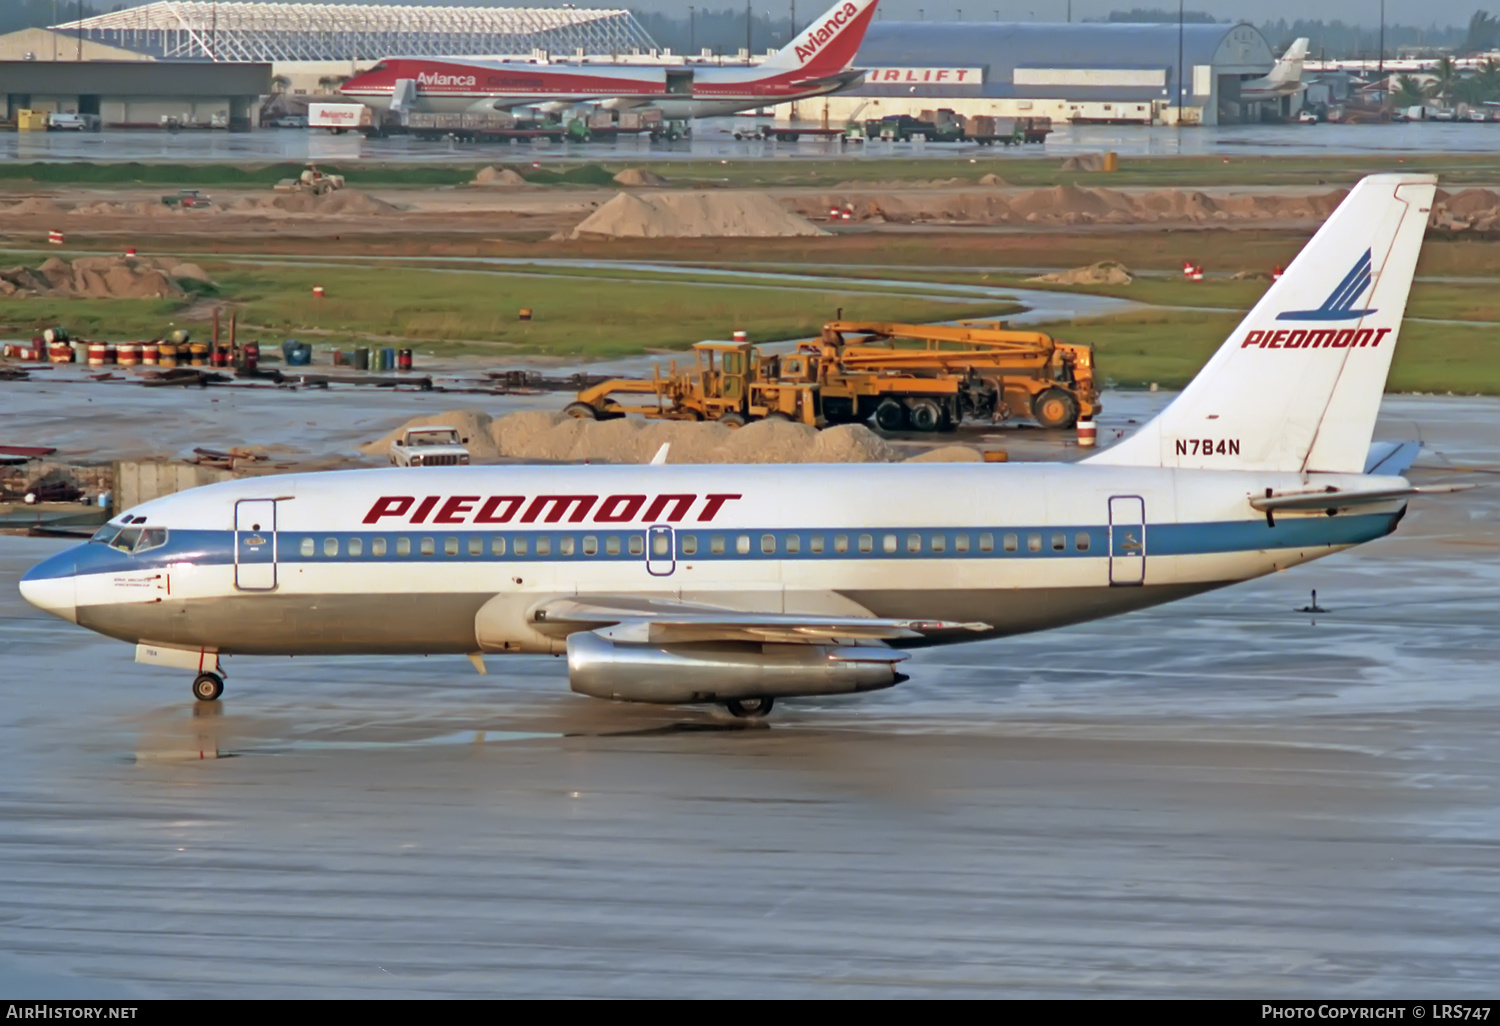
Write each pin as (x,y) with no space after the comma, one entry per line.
(135,92)
(1084,72)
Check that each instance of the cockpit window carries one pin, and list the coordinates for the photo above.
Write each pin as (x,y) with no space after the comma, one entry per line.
(151,538)
(126,539)
(105,534)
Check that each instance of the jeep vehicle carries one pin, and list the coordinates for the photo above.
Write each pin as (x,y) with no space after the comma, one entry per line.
(429,447)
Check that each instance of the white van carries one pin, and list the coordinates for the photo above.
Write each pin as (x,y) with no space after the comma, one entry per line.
(74,122)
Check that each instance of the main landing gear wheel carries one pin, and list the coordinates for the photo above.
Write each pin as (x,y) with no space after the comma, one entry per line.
(750,708)
(208,687)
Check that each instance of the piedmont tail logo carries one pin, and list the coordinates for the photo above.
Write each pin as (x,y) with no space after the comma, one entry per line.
(1339,306)
(825,32)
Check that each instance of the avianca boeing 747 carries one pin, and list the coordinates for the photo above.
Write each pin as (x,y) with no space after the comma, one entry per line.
(739,585)
(816,63)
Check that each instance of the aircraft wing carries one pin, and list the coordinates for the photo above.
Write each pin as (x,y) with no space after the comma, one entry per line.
(1332,498)
(669,621)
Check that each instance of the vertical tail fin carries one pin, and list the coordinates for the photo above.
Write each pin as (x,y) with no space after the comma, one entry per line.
(1289,68)
(829,44)
(1297,386)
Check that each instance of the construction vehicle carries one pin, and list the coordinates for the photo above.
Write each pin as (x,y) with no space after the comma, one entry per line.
(855,370)
(187,199)
(311,180)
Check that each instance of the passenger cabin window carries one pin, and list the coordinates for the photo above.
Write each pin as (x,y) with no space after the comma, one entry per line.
(519,546)
(428,547)
(637,545)
(1081,541)
(565,545)
(914,543)
(1059,542)
(986,542)
(866,543)
(612,545)
(689,544)
(768,543)
(1033,543)
(403,546)
(377,547)
(793,544)
(497,545)
(330,547)
(815,543)
(1012,542)
(661,545)
(450,546)
(716,545)
(476,545)
(590,545)
(939,543)
(960,543)
(307,548)
(742,545)
(841,543)
(544,546)
(356,547)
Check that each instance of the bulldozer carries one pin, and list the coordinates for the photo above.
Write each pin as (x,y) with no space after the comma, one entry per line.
(856,370)
(311,180)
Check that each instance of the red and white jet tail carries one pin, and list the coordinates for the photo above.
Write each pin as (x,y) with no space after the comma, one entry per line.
(1296,387)
(829,44)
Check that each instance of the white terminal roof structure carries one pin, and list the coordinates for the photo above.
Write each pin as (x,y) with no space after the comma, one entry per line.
(212,31)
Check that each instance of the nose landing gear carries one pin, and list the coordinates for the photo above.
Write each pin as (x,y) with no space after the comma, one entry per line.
(207,687)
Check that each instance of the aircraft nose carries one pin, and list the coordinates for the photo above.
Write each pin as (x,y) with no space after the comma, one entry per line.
(50,586)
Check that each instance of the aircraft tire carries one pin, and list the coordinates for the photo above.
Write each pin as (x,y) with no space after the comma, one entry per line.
(207,687)
(750,708)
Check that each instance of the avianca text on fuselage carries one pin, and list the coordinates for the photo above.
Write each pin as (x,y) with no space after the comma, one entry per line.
(1346,338)
(437,78)
(830,28)
(547,509)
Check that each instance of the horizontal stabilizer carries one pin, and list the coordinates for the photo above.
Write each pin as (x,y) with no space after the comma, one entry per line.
(1333,498)
(1391,458)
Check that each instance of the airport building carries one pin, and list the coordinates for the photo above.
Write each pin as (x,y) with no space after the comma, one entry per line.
(137,93)
(1082,72)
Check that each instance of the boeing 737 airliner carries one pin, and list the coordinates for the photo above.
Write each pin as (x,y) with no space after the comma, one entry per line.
(739,585)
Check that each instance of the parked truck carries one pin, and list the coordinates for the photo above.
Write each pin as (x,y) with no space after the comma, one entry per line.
(429,447)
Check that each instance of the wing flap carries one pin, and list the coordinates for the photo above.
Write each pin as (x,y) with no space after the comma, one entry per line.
(669,621)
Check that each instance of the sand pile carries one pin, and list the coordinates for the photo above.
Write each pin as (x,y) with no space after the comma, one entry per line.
(541,435)
(101,278)
(637,176)
(1472,209)
(499,176)
(950,454)
(1084,162)
(994,180)
(906,183)
(1105,272)
(692,215)
(35,205)
(343,201)
(1074,205)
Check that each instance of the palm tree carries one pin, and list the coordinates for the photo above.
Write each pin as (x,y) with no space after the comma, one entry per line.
(1469,90)
(1408,93)
(325,83)
(1483,34)
(1444,79)
(1488,78)
(280,83)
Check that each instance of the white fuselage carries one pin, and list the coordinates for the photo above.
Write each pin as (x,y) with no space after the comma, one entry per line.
(453,559)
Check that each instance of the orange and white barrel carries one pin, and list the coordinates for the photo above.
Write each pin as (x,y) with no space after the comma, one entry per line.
(741,336)
(128,354)
(98,354)
(317,292)
(1088,434)
(55,238)
(59,352)
(150,353)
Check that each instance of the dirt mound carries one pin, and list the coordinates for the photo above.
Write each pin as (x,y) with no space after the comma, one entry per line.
(541,435)
(101,278)
(994,180)
(692,215)
(1105,272)
(640,176)
(1084,162)
(499,176)
(905,183)
(36,205)
(344,201)
(1476,209)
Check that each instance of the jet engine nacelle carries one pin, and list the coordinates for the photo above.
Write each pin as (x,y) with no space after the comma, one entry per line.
(720,671)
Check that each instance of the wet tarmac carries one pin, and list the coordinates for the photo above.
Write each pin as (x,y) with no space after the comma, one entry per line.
(1220,797)
(713,139)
